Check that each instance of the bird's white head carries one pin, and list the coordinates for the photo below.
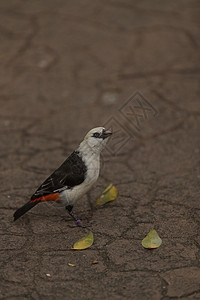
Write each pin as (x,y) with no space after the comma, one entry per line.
(96,139)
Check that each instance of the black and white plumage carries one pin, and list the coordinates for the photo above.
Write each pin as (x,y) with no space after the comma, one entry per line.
(74,177)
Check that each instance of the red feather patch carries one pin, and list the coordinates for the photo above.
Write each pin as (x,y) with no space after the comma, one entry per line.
(51,197)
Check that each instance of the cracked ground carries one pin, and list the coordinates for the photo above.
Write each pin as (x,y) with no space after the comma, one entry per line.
(69,66)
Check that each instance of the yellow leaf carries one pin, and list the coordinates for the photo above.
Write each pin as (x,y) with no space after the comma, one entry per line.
(71,265)
(84,243)
(108,195)
(152,240)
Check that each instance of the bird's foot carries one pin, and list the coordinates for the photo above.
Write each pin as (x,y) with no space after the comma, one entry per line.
(73,215)
(78,222)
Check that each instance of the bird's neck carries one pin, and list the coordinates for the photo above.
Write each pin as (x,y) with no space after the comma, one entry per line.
(90,157)
(88,151)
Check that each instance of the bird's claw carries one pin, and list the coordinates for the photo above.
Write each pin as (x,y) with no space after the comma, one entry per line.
(79,223)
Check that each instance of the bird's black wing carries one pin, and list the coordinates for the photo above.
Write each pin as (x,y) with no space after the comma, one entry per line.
(71,173)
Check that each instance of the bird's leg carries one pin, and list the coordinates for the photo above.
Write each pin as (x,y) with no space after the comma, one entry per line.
(72,214)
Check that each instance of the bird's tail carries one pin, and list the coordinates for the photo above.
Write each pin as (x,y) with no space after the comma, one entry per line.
(22,210)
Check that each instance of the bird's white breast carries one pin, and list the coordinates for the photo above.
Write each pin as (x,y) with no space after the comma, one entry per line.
(92,162)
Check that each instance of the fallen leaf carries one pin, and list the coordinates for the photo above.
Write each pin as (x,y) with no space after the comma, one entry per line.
(95,262)
(152,240)
(84,243)
(71,265)
(108,195)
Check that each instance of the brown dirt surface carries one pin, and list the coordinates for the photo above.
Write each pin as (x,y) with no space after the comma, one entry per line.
(69,66)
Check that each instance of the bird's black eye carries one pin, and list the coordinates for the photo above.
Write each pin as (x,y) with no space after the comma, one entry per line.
(96,135)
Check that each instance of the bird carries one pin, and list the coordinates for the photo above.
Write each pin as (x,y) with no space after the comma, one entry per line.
(74,177)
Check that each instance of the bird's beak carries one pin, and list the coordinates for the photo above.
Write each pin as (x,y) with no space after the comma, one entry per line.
(106,133)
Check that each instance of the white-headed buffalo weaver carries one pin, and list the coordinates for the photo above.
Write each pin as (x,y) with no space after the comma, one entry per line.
(74,177)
